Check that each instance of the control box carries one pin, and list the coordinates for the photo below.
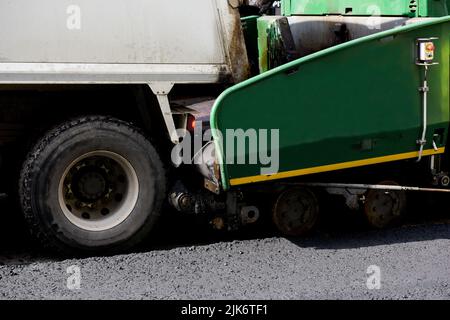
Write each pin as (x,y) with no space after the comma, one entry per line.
(426,48)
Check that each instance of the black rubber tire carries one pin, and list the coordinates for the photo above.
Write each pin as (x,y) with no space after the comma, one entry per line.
(46,163)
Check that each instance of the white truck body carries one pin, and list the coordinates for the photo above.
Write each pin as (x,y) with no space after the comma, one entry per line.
(121,41)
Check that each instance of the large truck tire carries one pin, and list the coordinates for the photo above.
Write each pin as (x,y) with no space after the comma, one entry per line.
(92,185)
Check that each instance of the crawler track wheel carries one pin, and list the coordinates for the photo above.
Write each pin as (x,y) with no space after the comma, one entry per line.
(296,212)
(384,208)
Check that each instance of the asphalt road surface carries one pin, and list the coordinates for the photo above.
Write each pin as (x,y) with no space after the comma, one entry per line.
(342,260)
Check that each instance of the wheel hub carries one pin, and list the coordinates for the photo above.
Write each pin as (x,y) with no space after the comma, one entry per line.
(98,191)
(90,184)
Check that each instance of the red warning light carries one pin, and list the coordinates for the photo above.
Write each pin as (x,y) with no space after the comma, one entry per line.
(430,46)
(191,123)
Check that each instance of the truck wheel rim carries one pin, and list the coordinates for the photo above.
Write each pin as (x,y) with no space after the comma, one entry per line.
(98,191)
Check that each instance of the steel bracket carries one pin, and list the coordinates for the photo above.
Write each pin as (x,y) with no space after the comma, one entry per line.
(352,196)
(162,90)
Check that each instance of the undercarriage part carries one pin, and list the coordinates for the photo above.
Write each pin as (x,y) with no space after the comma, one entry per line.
(352,196)
(232,217)
(182,202)
(185,201)
(249,214)
(440,178)
(218,223)
(228,213)
(383,203)
(212,186)
(3,196)
(384,208)
(296,212)
(327,186)
(443,180)
(237,213)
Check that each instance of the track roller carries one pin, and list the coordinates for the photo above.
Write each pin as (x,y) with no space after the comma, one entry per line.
(296,212)
(384,208)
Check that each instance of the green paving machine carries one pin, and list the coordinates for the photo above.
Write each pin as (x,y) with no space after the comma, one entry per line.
(239,110)
(358,91)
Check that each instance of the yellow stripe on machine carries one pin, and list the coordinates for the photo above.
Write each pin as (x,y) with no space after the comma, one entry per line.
(333,167)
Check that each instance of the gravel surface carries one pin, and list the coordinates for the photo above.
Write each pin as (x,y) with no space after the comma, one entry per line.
(414,264)
(413,261)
